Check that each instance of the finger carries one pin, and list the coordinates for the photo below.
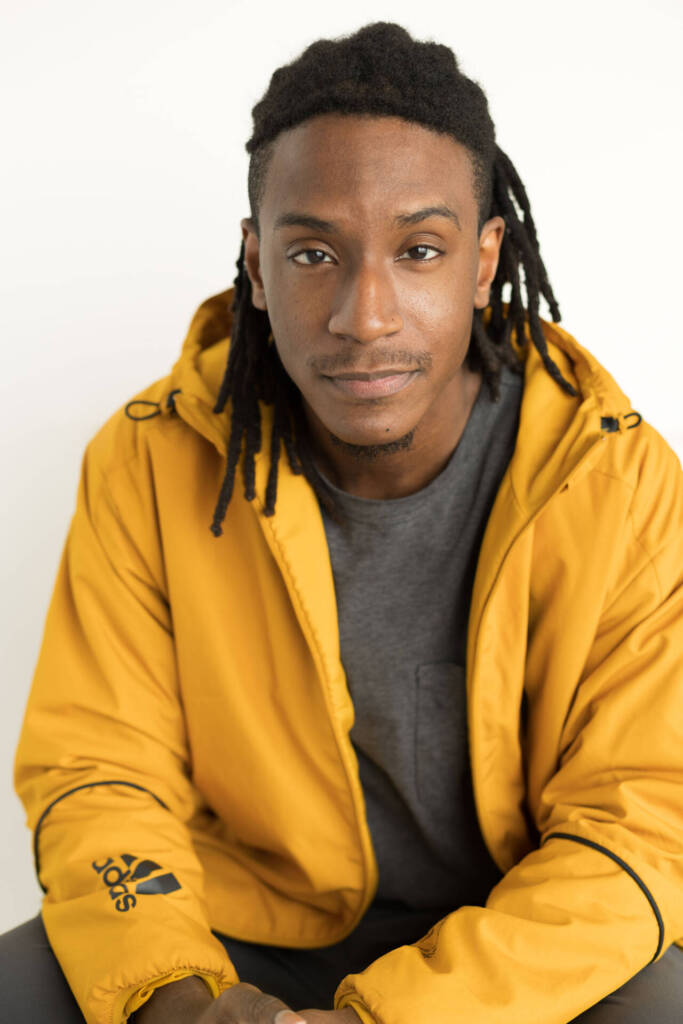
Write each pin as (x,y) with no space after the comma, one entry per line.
(249,1005)
(288,1017)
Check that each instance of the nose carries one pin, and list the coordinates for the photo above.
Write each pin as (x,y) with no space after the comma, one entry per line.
(365,307)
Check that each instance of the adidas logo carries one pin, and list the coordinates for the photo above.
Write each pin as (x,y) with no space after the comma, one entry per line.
(124,880)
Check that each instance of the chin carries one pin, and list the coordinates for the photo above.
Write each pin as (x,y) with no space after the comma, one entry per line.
(375,429)
(376,447)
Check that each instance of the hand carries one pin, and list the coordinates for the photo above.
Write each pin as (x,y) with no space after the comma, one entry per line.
(189,1002)
(246,1004)
(346,1016)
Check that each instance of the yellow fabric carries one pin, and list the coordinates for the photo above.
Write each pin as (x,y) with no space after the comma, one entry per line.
(189,710)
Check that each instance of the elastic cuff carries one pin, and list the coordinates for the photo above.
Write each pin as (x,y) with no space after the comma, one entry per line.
(353,1000)
(146,991)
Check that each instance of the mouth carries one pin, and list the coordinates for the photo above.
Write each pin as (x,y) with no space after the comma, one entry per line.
(377,384)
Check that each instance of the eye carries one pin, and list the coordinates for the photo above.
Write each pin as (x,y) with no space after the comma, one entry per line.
(422,249)
(308,252)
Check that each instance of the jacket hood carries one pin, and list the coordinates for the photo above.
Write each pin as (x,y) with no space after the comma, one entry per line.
(556,430)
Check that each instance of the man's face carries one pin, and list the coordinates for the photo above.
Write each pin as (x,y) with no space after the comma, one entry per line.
(370,265)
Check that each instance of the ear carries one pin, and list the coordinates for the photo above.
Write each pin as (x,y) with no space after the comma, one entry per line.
(490,241)
(252,262)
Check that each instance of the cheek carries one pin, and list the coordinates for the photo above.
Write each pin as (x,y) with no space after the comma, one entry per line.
(290,359)
(289,339)
(444,321)
(288,325)
(444,301)
(296,316)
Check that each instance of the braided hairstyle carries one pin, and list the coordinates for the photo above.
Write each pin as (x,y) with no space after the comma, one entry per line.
(379,70)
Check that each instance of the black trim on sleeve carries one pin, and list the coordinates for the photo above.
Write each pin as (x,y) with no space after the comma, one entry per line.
(629,871)
(86,785)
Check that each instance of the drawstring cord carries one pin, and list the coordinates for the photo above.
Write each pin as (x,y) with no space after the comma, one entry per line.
(170,404)
(610,424)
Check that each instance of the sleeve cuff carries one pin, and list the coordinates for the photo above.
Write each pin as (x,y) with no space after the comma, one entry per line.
(352,999)
(145,992)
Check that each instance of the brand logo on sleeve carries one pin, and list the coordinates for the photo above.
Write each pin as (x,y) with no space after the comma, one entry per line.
(128,877)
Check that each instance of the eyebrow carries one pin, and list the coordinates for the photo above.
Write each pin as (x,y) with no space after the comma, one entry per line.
(307,220)
(405,219)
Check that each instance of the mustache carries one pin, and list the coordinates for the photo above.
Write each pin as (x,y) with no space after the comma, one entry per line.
(398,359)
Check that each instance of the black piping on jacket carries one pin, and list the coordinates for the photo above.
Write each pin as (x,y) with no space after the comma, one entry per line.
(86,785)
(629,871)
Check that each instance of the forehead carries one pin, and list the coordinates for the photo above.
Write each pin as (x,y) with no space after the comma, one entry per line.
(362,165)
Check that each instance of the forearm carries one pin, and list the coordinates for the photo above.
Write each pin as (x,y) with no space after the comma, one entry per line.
(182,1001)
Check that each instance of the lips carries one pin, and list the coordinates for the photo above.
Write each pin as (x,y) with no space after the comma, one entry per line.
(377,384)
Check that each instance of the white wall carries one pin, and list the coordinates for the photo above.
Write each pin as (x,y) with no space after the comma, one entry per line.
(125,179)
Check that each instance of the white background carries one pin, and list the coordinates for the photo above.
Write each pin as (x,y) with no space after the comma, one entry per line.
(124,180)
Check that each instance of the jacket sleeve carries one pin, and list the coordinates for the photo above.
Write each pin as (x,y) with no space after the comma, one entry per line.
(102,765)
(602,896)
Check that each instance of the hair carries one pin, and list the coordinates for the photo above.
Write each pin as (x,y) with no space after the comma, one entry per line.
(379,70)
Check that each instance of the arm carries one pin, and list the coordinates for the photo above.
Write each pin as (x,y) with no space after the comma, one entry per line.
(603,895)
(102,764)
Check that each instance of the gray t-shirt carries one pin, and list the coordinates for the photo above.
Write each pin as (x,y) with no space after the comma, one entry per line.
(403,572)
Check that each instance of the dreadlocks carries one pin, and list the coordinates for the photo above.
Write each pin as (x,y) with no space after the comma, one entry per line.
(379,70)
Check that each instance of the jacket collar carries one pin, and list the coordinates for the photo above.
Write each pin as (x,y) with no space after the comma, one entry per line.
(197,373)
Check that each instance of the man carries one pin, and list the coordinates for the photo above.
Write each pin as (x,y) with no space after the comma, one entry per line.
(397,739)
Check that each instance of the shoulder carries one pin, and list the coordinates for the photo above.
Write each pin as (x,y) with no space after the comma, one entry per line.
(626,488)
(121,447)
(643,473)
(633,449)
(654,472)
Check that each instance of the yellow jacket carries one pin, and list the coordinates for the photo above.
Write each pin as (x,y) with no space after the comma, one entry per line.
(185,758)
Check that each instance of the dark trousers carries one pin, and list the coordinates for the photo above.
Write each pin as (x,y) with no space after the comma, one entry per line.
(33,987)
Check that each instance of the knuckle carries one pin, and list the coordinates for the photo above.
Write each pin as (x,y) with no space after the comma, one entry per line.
(235,1000)
(244,1001)
(264,1004)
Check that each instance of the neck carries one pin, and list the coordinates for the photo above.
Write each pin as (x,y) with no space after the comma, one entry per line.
(405,465)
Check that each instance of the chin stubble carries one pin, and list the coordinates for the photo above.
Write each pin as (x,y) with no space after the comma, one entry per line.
(370,452)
